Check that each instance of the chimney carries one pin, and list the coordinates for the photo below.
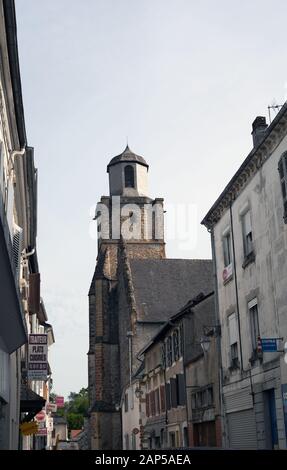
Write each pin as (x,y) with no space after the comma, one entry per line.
(259,127)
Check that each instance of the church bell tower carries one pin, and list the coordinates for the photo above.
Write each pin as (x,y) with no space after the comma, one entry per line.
(130,226)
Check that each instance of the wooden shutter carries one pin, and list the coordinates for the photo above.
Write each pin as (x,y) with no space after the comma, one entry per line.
(157,405)
(162,398)
(167,394)
(152,403)
(180,390)
(34,293)
(173,389)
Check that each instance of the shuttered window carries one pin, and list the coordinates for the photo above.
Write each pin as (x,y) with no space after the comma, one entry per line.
(168,398)
(254,324)
(162,398)
(247,233)
(181,399)
(233,338)
(157,405)
(227,249)
(173,389)
(147,404)
(34,293)
(17,249)
(152,403)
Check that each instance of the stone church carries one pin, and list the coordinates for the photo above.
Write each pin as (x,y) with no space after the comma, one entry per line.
(134,290)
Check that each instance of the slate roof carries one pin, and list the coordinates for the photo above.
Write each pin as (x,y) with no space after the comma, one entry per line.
(162,287)
(203,307)
(127,156)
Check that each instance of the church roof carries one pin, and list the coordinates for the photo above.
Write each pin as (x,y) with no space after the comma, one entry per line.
(163,286)
(127,156)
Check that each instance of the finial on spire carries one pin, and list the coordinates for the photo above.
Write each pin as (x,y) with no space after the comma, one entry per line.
(127,149)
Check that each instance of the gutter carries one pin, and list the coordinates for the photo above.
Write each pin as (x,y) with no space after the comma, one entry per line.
(12,45)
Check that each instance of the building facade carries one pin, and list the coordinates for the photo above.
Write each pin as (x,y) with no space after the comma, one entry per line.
(134,290)
(19,271)
(202,373)
(249,240)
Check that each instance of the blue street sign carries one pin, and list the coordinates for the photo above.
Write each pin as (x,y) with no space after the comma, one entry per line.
(269,344)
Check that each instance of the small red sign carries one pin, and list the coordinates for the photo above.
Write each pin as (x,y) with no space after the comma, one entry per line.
(41,416)
(60,402)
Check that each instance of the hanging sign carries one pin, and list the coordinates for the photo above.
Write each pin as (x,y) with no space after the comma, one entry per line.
(38,357)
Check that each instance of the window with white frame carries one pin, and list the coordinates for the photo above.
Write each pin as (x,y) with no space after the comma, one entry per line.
(233,338)
(227,249)
(247,234)
(254,323)
(282,168)
(175,338)
(169,351)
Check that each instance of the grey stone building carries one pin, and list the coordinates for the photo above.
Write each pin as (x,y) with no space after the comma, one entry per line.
(249,238)
(129,291)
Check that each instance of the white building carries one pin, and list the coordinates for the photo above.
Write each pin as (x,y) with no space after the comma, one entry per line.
(20,312)
(249,240)
(12,141)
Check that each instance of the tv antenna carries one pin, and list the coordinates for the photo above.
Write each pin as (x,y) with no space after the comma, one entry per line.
(275,107)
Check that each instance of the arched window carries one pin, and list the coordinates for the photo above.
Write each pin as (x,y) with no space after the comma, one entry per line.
(129,177)
(175,345)
(282,167)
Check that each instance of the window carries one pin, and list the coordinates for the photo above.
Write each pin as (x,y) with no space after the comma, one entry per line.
(227,249)
(152,403)
(163,359)
(210,396)
(180,389)
(233,339)
(162,399)
(282,168)
(147,404)
(254,324)
(175,338)
(247,234)
(129,177)
(126,402)
(157,403)
(172,439)
(169,351)
(173,392)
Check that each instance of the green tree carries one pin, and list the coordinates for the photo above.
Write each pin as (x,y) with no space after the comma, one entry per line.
(75,409)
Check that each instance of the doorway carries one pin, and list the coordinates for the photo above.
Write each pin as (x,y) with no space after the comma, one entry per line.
(271,431)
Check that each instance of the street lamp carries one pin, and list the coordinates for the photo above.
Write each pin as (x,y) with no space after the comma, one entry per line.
(205,343)
(209,330)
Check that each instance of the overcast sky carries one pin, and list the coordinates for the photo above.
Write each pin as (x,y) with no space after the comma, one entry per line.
(182,79)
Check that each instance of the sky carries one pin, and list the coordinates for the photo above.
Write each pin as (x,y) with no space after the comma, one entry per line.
(182,80)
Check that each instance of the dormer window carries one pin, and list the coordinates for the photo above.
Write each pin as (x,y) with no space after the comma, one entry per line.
(282,167)
(129,177)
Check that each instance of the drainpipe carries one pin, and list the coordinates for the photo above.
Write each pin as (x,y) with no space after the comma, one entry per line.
(218,341)
(236,287)
(14,153)
(17,152)
(130,335)
(182,339)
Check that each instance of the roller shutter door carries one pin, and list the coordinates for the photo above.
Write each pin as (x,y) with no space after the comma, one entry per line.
(242,430)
